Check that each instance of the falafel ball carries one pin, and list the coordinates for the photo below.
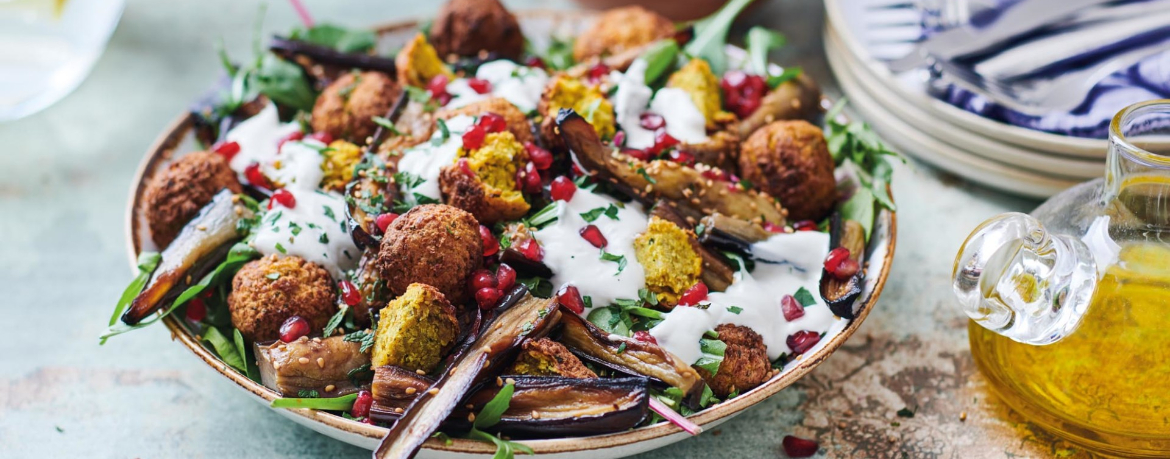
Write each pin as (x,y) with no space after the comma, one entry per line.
(433,244)
(745,361)
(518,123)
(175,196)
(545,357)
(790,160)
(347,107)
(415,330)
(268,291)
(621,29)
(466,27)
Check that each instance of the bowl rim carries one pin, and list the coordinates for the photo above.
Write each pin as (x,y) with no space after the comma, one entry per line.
(162,149)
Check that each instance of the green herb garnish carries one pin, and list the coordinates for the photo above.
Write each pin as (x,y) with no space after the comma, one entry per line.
(342,403)
(364,337)
(490,416)
(805,298)
(335,321)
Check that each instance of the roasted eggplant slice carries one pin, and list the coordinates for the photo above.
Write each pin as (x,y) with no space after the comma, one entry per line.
(206,234)
(649,181)
(553,406)
(394,389)
(493,348)
(796,99)
(324,55)
(733,234)
(841,295)
(718,273)
(639,357)
(317,364)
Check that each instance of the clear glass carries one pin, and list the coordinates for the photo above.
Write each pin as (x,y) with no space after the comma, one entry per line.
(1070,306)
(47,47)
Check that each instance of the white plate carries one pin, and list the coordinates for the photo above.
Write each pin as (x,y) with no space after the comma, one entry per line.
(938,153)
(846,21)
(1010,154)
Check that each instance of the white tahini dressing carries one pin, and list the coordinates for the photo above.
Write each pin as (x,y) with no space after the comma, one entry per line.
(258,137)
(757,297)
(518,84)
(574,261)
(683,119)
(428,159)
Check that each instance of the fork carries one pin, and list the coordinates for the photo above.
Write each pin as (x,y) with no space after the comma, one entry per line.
(1041,96)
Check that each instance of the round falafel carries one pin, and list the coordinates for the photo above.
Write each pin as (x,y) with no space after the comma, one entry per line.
(433,244)
(517,122)
(790,160)
(268,291)
(745,361)
(175,196)
(347,107)
(621,29)
(466,27)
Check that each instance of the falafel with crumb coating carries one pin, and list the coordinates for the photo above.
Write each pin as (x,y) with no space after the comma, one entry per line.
(347,107)
(671,262)
(564,91)
(621,29)
(790,161)
(490,193)
(466,27)
(175,196)
(267,291)
(518,123)
(545,357)
(434,244)
(745,361)
(415,330)
(418,63)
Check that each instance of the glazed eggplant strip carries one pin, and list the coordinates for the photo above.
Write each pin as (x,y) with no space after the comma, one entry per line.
(330,361)
(648,181)
(841,295)
(211,230)
(728,233)
(531,317)
(639,357)
(328,56)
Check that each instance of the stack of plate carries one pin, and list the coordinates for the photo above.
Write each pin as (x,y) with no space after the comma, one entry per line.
(1010,158)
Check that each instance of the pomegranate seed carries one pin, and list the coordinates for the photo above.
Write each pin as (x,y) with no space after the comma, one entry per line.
(531,250)
(594,236)
(492,122)
(361,406)
(540,157)
(289,138)
(773,228)
(257,178)
(491,245)
(693,295)
(284,198)
(323,137)
(801,341)
(799,447)
(662,141)
(619,138)
(747,107)
(645,337)
(651,121)
(836,260)
(847,269)
(716,174)
(505,277)
(482,278)
(597,72)
(791,308)
(293,328)
(473,138)
(535,61)
(479,85)
(465,167)
(562,189)
(733,79)
(350,293)
(227,149)
(805,225)
(438,86)
(196,310)
(682,157)
(742,93)
(383,221)
(570,298)
(487,297)
(640,155)
(530,178)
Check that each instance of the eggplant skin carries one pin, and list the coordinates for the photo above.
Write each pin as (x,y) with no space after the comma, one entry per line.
(396,387)
(329,362)
(638,356)
(554,406)
(840,295)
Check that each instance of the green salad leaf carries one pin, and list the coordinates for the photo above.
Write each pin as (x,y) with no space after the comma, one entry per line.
(713,351)
(339,38)
(659,57)
(147,262)
(342,403)
(490,416)
(761,41)
(226,349)
(711,35)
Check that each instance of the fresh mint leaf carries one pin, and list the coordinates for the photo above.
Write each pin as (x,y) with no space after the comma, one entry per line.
(284,82)
(491,412)
(857,143)
(619,259)
(335,321)
(711,35)
(226,349)
(648,297)
(645,175)
(363,337)
(445,133)
(659,57)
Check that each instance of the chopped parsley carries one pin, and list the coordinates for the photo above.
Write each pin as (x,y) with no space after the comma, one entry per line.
(324,239)
(804,297)
(619,259)
(594,214)
(389,125)
(329,213)
(642,171)
(734,309)
(443,130)
(280,248)
(621,348)
(648,297)
(308,393)
(296,229)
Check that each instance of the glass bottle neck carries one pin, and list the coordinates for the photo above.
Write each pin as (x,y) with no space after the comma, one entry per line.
(1138,167)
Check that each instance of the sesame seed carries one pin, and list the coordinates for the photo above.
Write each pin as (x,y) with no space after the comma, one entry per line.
(420,372)
(433,391)
(510,381)
(399,410)
(411,390)
(535,414)
(470,406)
(201,227)
(316,340)
(321,362)
(330,388)
(303,360)
(499,381)
(470,417)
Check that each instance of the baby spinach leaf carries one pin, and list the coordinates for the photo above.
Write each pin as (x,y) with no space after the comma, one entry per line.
(761,41)
(711,35)
(337,37)
(225,349)
(147,262)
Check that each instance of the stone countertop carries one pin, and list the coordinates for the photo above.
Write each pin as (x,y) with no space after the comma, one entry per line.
(65,174)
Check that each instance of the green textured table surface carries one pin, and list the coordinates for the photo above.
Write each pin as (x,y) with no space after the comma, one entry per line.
(65,174)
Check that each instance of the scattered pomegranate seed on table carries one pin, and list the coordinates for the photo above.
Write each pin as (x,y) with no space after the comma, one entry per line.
(570,298)
(361,405)
(562,189)
(487,297)
(383,221)
(349,293)
(284,198)
(479,85)
(694,295)
(799,447)
(791,308)
(540,157)
(227,149)
(293,328)
(491,245)
(801,341)
(505,277)
(593,235)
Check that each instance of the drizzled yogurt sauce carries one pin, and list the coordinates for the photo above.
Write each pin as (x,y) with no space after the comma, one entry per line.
(683,119)
(757,297)
(314,229)
(427,160)
(577,262)
(518,84)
